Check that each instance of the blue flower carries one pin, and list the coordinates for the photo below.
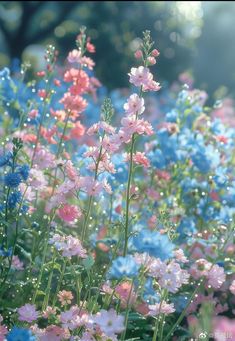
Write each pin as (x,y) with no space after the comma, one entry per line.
(12,179)
(20,334)
(24,172)
(157,159)
(154,243)
(186,227)
(150,295)
(5,253)
(14,198)
(123,267)
(4,159)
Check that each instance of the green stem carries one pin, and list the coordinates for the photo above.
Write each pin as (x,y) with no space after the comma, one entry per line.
(128,308)
(48,289)
(59,283)
(170,333)
(128,196)
(6,217)
(42,268)
(155,329)
(87,216)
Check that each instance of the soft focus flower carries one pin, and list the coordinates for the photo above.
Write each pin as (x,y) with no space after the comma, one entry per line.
(77,131)
(27,313)
(125,292)
(123,267)
(20,334)
(69,245)
(161,308)
(216,276)
(141,159)
(140,76)
(65,297)
(69,213)
(12,179)
(232,287)
(17,264)
(134,105)
(109,321)
(224,329)
(153,243)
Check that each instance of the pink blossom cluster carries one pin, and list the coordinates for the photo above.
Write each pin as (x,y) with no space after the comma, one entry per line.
(69,245)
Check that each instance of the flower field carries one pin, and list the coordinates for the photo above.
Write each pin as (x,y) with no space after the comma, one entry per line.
(117,212)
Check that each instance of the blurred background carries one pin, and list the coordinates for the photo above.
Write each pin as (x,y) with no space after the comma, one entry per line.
(194,37)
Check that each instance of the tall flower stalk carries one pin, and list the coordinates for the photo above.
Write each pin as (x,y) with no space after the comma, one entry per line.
(143,79)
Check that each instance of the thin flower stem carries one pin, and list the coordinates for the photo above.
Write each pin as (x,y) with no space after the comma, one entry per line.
(42,268)
(128,199)
(170,333)
(48,289)
(159,320)
(59,283)
(128,308)
(87,215)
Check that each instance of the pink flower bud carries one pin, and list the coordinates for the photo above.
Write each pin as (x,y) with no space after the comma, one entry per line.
(138,54)
(151,60)
(155,53)
(41,73)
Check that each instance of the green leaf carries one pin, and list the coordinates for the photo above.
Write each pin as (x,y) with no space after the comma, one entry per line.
(88,262)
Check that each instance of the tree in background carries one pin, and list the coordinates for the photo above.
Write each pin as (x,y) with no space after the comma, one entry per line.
(113,25)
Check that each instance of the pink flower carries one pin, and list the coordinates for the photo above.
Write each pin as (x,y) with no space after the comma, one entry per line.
(140,159)
(89,63)
(138,54)
(216,276)
(3,332)
(44,159)
(17,264)
(126,293)
(27,313)
(108,145)
(152,194)
(161,308)
(200,268)
(94,129)
(65,297)
(134,105)
(107,127)
(42,93)
(37,179)
(224,329)
(74,56)
(69,245)
(140,76)
(33,113)
(74,318)
(91,186)
(180,257)
(69,213)
(151,60)
(74,103)
(232,287)
(90,47)
(152,86)
(155,53)
(107,187)
(54,333)
(109,322)
(49,311)
(77,131)
(173,277)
